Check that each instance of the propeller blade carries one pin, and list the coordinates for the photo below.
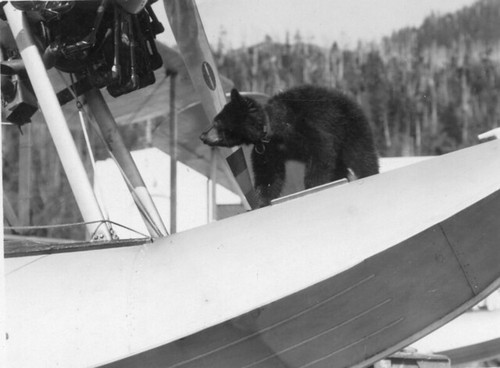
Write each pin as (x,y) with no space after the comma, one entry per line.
(193,45)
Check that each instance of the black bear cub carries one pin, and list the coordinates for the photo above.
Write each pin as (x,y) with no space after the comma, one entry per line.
(320,127)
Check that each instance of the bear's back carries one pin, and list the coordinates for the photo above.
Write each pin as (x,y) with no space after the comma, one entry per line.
(329,110)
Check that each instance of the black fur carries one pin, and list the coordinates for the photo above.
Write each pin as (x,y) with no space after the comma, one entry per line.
(321,127)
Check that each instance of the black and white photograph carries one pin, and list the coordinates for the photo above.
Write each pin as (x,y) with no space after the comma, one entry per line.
(250,184)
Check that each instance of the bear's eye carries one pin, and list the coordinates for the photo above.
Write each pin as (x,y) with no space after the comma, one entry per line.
(217,123)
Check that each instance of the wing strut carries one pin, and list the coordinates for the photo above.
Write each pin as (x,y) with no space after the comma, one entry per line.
(58,128)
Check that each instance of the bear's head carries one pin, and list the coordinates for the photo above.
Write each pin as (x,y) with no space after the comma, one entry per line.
(241,121)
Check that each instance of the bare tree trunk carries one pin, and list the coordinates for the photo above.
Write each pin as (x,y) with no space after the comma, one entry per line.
(434,116)
(418,137)
(387,131)
(465,106)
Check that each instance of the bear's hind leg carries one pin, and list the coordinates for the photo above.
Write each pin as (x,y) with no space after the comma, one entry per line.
(269,175)
(363,161)
(318,173)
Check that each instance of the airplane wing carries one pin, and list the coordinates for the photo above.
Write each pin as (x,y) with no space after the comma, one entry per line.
(474,336)
(418,248)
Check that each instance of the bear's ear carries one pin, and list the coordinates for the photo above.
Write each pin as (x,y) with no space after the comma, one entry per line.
(235,96)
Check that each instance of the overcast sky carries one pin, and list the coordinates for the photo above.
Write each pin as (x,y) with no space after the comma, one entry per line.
(322,21)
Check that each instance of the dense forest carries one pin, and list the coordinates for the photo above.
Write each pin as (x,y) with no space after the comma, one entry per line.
(427,90)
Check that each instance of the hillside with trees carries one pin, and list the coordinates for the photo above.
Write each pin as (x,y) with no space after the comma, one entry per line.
(427,90)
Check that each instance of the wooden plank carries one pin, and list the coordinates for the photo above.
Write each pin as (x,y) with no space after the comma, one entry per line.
(308,191)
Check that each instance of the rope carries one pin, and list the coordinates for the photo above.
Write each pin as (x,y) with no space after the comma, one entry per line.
(131,188)
(79,106)
(140,207)
(75,224)
(81,113)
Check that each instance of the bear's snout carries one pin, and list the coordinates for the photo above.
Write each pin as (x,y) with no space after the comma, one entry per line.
(210,137)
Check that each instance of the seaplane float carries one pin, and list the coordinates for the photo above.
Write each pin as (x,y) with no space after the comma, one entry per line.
(343,275)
